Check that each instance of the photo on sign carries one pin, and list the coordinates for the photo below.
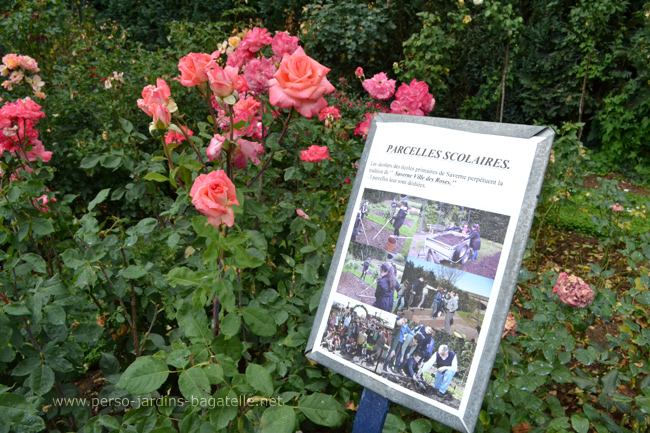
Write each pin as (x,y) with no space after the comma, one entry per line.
(387,220)
(371,276)
(464,238)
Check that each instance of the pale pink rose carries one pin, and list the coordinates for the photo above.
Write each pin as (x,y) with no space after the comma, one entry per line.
(213,194)
(573,291)
(415,96)
(329,112)
(239,58)
(247,107)
(193,69)
(28,63)
(283,44)
(16,76)
(38,151)
(300,82)
(379,86)
(223,81)
(153,96)
(177,137)
(11,61)
(510,326)
(302,214)
(161,116)
(315,154)
(617,207)
(255,39)
(41,203)
(359,72)
(214,149)
(258,72)
(364,127)
(247,150)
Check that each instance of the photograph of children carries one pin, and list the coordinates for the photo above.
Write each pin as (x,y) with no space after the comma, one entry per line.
(457,236)
(387,220)
(358,333)
(444,298)
(371,276)
(432,363)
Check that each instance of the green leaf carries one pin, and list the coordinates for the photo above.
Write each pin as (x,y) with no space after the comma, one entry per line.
(110,161)
(257,319)
(214,373)
(221,415)
(319,238)
(146,226)
(15,409)
(16,310)
(323,409)
(89,161)
(194,324)
(226,294)
(144,376)
(88,333)
(579,423)
(259,379)
(133,272)
(609,382)
(35,261)
(126,125)
(42,227)
(182,277)
(41,380)
(109,364)
(55,314)
(421,425)
(194,383)
(393,424)
(156,177)
(230,325)
(278,419)
(583,356)
(101,196)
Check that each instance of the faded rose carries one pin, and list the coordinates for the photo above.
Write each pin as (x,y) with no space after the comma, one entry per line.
(214,194)
(300,82)
(315,154)
(573,291)
(302,214)
(511,325)
(617,207)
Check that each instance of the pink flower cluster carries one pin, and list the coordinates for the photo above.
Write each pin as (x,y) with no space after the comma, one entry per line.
(156,101)
(16,67)
(573,291)
(17,130)
(510,326)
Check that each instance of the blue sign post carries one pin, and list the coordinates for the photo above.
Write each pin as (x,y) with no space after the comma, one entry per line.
(371,414)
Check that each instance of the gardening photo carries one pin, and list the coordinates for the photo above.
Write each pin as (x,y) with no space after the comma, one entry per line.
(457,236)
(387,220)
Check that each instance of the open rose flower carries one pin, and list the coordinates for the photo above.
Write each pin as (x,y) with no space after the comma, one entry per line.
(510,326)
(178,137)
(223,81)
(573,291)
(379,86)
(157,102)
(193,69)
(214,195)
(300,82)
(315,154)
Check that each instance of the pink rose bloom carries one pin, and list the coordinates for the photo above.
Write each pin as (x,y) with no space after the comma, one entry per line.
(573,291)
(332,112)
(177,137)
(258,72)
(617,207)
(398,107)
(302,214)
(28,63)
(315,154)
(38,151)
(247,107)
(154,98)
(364,127)
(239,58)
(41,203)
(161,116)
(379,86)
(193,69)
(359,73)
(255,39)
(223,81)
(415,96)
(283,44)
(300,82)
(20,110)
(11,61)
(510,326)
(247,150)
(214,149)
(213,194)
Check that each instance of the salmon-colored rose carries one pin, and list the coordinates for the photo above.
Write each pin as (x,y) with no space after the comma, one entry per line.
(193,69)
(300,82)
(223,81)
(213,195)
(315,154)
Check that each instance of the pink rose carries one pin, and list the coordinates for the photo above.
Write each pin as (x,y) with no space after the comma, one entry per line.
(364,127)
(156,101)
(38,151)
(239,58)
(214,149)
(413,97)
(11,61)
(193,69)
(283,44)
(315,154)
(28,63)
(359,72)
(255,39)
(177,137)
(41,203)
(223,81)
(331,112)
(617,207)
(161,116)
(379,86)
(300,82)
(573,291)
(510,326)
(302,214)
(214,194)
(258,72)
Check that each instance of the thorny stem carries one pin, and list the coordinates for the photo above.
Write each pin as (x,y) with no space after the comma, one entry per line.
(187,138)
(153,320)
(134,317)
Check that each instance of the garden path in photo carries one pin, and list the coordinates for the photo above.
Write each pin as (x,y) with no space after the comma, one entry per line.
(351,286)
(372,228)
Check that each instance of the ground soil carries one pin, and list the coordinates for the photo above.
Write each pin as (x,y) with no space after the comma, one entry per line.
(372,228)
(449,239)
(423,317)
(485,267)
(591,181)
(352,286)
